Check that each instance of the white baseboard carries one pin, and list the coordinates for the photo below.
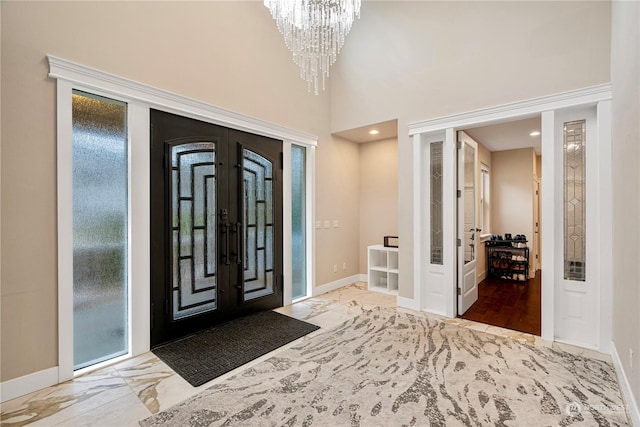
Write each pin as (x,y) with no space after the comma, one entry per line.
(332,286)
(409,303)
(363,278)
(28,383)
(629,399)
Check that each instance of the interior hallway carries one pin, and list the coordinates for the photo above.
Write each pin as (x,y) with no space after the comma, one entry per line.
(509,304)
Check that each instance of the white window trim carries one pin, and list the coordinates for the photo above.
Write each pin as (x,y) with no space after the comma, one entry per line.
(140,99)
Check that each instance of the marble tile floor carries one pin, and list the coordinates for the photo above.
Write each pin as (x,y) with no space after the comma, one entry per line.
(127,392)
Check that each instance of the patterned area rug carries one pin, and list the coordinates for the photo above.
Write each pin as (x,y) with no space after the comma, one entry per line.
(386,368)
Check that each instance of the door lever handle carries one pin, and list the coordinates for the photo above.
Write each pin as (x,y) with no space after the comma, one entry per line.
(225,252)
(238,230)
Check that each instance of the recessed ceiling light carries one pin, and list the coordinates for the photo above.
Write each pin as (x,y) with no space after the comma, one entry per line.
(373,132)
(534,133)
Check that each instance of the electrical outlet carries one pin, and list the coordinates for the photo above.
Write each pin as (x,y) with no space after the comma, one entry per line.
(631,358)
(344,265)
(318,224)
(327,223)
(335,268)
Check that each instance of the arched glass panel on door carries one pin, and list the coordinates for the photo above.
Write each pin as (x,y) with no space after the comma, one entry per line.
(193,228)
(258,225)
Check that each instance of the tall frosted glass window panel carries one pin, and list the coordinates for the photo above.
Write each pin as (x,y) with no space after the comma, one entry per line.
(574,200)
(436,202)
(298,221)
(485,199)
(99,229)
(469,200)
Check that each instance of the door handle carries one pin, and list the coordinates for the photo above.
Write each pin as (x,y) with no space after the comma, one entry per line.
(225,252)
(238,230)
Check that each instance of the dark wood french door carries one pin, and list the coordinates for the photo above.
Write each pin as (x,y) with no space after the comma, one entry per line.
(216,225)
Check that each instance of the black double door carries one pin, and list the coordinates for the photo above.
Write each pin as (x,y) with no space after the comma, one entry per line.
(216,225)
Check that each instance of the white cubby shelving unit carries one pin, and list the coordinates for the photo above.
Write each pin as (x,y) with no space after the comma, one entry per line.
(383,269)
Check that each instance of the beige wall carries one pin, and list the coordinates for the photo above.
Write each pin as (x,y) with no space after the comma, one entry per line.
(378,194)
(196,49)
(625,76)
(420,60)
(337,186)
(512,174)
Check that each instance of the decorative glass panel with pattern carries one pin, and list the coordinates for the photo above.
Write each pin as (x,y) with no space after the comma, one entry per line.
(436,202)
(193,207)
(258,225)
(574,200)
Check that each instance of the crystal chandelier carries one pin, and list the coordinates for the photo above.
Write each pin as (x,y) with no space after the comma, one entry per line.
(314,31)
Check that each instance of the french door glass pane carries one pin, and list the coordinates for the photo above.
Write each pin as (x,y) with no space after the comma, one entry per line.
(436,180)
(469,200)
(100,204)
(298,220)
(574,200)
(258,225)
(193,211)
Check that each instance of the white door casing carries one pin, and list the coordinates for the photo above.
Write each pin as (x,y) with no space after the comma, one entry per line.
(556,322)
(468,232)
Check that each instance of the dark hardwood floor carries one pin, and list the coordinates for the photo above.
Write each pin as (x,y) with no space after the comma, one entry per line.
(508,304)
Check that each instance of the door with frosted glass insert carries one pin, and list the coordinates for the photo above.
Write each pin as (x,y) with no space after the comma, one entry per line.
(468,231)
(216,225)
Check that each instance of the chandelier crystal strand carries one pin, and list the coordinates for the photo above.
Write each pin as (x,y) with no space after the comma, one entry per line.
(314,31)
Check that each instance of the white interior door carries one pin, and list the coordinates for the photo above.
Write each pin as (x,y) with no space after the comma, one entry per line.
(468,231)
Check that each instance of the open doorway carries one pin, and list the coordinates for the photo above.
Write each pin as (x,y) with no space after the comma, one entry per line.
(506,237)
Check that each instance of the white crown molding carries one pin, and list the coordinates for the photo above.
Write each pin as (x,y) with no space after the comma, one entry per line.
(92,78)
(585,96)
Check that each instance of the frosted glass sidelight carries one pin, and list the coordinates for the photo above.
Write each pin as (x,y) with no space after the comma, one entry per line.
(258,225)
(193,199)
(469,200)
(100,204)
(436,202)
(574,200)
(298,221)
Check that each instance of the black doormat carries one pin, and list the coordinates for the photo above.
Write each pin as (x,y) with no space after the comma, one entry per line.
(208,354)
